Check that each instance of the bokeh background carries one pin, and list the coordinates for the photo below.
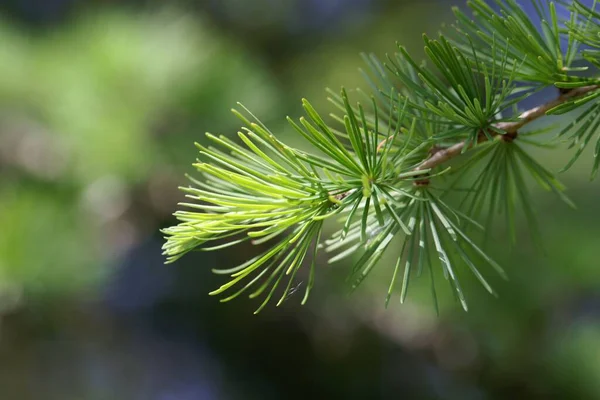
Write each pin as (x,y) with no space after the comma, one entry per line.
(100,103)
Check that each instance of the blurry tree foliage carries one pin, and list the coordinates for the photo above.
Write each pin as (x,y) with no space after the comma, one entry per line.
(83,110)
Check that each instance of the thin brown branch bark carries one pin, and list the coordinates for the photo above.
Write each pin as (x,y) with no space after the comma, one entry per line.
(440,156)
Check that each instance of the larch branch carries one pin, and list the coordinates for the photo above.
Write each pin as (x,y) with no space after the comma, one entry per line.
(511,128)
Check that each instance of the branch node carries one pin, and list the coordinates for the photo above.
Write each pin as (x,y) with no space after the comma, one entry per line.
(563,91)
(509,137)
(422,182)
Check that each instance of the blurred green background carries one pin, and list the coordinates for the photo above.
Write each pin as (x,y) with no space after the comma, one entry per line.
(100,103)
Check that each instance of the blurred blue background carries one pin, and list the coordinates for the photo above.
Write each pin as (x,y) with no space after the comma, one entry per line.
(100,103)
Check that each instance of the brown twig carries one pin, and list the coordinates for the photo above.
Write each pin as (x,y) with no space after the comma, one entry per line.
(511,128)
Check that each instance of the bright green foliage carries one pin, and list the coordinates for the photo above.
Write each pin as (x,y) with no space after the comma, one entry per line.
(540,58)
(377,168)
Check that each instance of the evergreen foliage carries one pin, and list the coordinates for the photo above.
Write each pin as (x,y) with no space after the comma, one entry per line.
(380,166)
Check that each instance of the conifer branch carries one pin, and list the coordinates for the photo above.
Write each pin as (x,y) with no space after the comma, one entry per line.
(441,155)
(262,190)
